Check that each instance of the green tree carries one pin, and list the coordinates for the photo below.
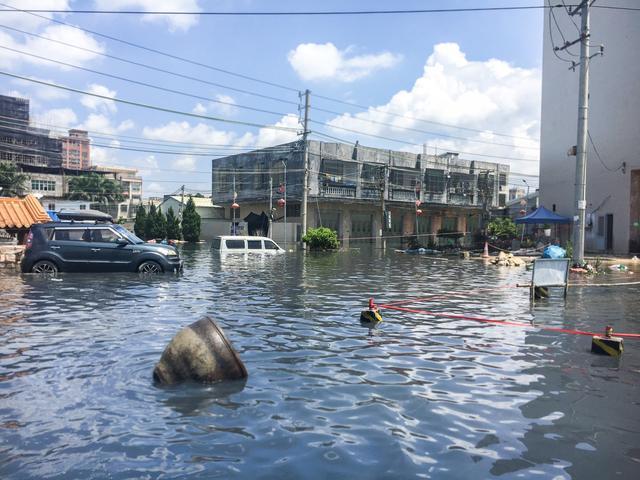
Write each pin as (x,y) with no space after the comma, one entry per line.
(161,224)
(12,182)
(173,225)
(96,189)
(190,222)
(141,218)
(321,238)
(152,227)
(502,227)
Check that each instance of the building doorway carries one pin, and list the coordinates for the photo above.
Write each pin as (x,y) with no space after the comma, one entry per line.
(608,243)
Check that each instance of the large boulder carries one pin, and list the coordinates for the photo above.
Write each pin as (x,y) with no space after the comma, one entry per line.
(200,352)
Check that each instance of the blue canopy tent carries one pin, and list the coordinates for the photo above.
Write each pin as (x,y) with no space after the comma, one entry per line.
(542,215)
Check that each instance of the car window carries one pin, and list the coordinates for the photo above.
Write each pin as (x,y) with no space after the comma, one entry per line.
(48,233)
(216,244)
(269,245)
(104,235)
(70,234)
(234,244)
(254,244)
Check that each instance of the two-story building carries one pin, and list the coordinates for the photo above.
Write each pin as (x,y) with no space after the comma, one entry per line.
(365,194)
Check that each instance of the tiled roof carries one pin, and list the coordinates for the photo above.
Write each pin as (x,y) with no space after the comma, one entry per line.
(21,212)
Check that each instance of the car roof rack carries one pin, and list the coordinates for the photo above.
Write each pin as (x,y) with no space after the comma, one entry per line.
(84,216)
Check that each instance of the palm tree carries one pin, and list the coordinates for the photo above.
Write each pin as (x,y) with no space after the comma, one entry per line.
(96,189)
(12,182)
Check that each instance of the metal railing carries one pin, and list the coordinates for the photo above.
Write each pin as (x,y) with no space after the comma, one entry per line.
(338,192)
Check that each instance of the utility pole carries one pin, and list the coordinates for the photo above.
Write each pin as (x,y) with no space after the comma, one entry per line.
(181,202)
(270,205)
(305,180)
(383,182)
(285,204)
(583,118)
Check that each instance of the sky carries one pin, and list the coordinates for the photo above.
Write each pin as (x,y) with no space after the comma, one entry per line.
(468,82)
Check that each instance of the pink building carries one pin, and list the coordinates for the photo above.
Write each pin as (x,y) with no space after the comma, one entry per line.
(76,150)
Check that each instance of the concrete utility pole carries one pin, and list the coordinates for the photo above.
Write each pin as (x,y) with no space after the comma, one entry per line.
(181,202)
(270,205)
(581,151)
(305,178)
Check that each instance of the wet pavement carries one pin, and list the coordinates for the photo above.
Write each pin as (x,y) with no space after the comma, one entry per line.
(420,396)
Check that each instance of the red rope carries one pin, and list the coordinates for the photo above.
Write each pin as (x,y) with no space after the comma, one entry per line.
(502,322)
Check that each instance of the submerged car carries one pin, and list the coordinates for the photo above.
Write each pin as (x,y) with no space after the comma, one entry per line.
(245,244)
(82,245)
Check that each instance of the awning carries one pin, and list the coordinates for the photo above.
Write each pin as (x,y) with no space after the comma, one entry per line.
(542,215)
(21,213)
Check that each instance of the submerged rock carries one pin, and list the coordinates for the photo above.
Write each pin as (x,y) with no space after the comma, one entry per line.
(507,260)
(200,352)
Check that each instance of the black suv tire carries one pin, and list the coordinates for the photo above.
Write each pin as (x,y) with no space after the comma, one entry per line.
(44,267)
(149,266)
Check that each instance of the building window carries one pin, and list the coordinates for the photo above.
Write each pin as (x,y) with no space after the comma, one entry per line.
(123,208)
(51,206)
(600,232)
(83,207)
(43,185)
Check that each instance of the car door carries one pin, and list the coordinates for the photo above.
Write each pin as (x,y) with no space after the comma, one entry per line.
(72,246)
(107,253)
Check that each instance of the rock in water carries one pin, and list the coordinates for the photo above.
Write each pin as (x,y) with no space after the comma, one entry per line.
(199,352)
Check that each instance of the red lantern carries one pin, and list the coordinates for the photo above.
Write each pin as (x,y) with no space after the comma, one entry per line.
(522,212)
(418,203)
(281,202)
(418,212)
(281,188)
(234,205)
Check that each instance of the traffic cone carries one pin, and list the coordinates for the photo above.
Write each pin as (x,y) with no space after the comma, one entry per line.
(485,254)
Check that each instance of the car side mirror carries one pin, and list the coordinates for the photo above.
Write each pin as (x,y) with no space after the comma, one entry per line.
(122,241)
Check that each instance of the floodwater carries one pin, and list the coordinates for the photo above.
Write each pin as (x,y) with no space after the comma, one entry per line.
(419,396)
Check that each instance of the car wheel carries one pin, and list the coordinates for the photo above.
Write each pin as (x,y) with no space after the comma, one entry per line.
(150,267)
(45,267)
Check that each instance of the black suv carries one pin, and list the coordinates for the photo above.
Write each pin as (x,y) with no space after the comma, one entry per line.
(71,246)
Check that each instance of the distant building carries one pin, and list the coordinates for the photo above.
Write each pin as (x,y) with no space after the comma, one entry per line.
(516,192)
(613,164)
(21,143)
(131,188)
(76,150)
(212,221)
(350,187)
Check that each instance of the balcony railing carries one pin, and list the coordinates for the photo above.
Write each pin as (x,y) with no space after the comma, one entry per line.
(435,197)
(403,195)
(370,193)
(338,192)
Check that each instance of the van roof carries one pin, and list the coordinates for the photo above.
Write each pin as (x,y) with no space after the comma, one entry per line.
(241,237)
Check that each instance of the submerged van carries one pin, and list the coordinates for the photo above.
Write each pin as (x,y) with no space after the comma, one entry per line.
(245,244)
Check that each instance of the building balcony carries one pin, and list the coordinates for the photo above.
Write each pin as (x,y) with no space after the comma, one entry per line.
(338,191)
(403,195)
(370,193)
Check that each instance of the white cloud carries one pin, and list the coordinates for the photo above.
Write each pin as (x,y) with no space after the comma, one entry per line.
(99,123)
(185,132)
(314,61)
(185,162)
(57,118)
(26,21)
(174,22)
(48,49)
(489,95)
(101,104)
(225,105)
(268,137)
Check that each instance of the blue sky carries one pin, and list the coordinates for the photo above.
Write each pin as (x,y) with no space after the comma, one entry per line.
(476,70)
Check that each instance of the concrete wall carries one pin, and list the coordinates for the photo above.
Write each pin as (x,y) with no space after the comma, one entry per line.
(614,123)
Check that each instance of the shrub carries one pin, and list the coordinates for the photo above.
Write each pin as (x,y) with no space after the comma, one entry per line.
(141,220)
(173,226)
(321,238)
(502,227)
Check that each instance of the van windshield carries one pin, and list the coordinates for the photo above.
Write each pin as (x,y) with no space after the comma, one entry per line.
(127,234)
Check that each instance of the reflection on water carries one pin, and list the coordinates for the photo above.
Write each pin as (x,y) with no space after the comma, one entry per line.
(416,396)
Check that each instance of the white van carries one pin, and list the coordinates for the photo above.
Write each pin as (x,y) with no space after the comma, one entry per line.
(245,244)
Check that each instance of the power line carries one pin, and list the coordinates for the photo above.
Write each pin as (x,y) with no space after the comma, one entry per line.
(595,150)
(232,73)
(152,107)
(375,122)
(144,84)
(144,65)
(159,52)
(283,13)
(406,142)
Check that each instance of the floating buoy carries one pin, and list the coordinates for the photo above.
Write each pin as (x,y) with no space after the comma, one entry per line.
(372,315)
(485,254)
(607,344)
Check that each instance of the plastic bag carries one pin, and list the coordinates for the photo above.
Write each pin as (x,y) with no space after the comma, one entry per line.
(554,251)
